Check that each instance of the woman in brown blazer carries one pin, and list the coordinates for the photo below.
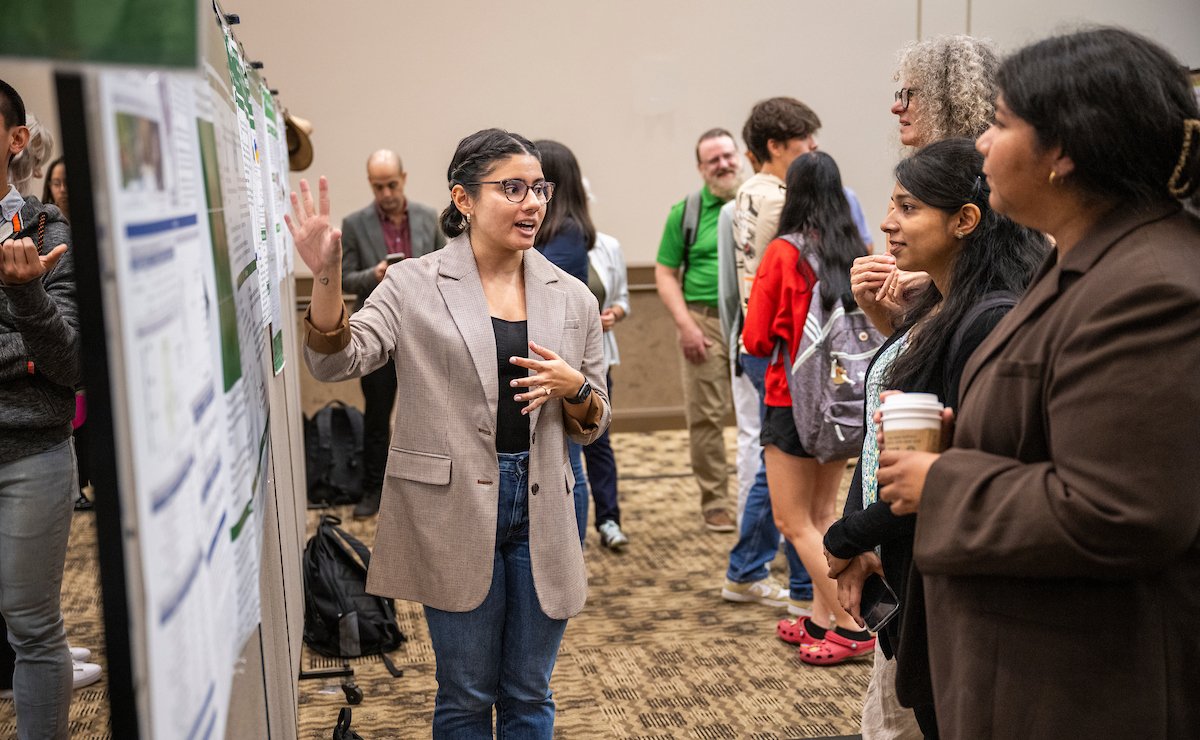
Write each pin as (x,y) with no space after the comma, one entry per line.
(477,520)
(1059,536)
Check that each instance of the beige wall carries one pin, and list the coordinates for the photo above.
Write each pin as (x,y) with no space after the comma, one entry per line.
(627,85)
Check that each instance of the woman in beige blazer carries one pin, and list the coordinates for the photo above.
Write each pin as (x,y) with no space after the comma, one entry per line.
(1059,537)
(499,359)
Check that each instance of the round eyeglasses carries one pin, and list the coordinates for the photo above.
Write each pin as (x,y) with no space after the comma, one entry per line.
(516,190)
(904,95)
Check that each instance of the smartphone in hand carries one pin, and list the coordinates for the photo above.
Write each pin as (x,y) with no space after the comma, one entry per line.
(394,258)
(879,604)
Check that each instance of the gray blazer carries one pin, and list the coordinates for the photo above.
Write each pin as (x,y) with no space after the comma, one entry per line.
(437,517)
(363,246)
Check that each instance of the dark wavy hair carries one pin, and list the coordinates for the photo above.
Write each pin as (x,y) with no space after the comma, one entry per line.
(1116,103)
(999,256)
(780,119)
(817,210)
(476,156)
(569,208)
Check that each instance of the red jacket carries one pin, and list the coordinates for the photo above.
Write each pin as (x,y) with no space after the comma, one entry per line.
(776,311)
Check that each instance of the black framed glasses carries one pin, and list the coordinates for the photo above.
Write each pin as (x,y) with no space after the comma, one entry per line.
(516,190)
(903,95)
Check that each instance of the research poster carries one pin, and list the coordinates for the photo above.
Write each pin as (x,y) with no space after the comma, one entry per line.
(193,211)
(175,401)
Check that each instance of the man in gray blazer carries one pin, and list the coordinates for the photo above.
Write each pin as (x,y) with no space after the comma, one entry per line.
(392,228)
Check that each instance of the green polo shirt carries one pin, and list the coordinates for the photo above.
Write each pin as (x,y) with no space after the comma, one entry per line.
(700,280)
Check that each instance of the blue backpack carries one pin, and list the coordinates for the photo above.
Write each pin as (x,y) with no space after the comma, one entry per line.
(827,379)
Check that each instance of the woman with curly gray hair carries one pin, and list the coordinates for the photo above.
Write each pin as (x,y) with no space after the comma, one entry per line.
(947,89)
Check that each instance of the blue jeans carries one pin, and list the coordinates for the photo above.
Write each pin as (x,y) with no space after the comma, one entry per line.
(580,492)
(758,538)
(37,497)
(502,652)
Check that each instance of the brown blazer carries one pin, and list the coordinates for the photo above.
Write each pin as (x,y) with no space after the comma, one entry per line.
(1059,537)
(437,516)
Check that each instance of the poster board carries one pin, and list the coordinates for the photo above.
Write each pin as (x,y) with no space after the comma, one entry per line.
(185,283)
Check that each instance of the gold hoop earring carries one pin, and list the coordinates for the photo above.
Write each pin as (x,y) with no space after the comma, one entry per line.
(1053,175)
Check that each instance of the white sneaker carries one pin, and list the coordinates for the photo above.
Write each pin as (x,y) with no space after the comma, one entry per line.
(765,591)
(611,535)
(86,674)
(79,655)
(798,608)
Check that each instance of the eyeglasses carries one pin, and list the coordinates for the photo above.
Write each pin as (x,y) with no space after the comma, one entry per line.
(516,190)
(904,95)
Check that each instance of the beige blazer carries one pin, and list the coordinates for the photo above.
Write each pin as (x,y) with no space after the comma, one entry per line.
(437,517)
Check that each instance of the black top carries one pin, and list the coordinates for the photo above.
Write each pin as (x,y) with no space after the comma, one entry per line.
(512,427)
(861,530)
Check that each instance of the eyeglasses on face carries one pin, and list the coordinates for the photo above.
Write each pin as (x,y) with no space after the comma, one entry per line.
(904,95)
(516,190)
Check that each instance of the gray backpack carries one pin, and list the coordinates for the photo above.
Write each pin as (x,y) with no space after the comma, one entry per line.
(827,379)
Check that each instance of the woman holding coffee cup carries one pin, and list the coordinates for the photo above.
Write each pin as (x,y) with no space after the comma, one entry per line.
(1059,537)
(979,262)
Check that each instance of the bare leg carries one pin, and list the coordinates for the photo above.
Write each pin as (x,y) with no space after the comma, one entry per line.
(803,492)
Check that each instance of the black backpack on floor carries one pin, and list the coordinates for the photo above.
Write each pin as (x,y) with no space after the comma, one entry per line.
(342,620)
(333,454)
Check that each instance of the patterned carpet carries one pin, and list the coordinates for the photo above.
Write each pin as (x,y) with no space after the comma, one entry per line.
(656,654)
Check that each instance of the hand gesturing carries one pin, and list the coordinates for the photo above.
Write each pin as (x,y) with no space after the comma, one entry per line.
(20,262)
(319,244)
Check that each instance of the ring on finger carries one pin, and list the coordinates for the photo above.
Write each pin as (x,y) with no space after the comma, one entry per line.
(547,389)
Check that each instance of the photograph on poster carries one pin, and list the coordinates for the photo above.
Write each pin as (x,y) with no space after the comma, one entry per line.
(140,145)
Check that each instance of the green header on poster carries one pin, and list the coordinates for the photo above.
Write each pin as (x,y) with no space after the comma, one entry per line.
(159,33)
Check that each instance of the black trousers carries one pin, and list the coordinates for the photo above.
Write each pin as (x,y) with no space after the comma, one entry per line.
(602,474)
(379,394)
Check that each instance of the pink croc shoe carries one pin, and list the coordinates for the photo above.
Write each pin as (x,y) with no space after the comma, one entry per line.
(835,649)
(794,631)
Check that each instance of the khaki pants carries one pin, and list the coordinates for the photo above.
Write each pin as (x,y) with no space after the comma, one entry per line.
(883,718)
(708,398)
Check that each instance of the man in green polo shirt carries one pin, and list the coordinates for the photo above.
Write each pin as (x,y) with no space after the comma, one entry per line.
(692,301)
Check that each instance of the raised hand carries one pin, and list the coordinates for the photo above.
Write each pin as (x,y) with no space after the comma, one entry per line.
(317,242)
(868,276)
(20,262)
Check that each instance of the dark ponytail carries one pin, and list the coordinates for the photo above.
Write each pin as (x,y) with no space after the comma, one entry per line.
(473,159)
